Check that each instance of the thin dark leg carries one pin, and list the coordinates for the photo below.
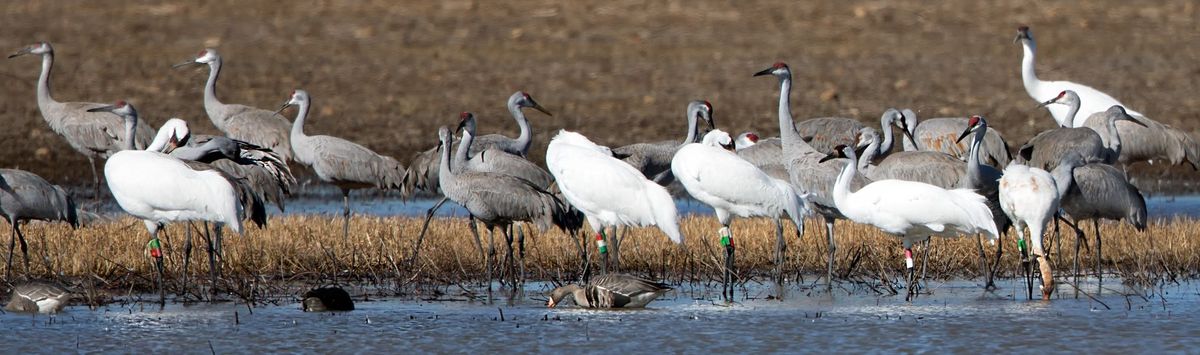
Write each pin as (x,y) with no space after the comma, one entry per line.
(727,281)
(12,243)
(521,253)
(1099,257)
(425,227)
(780,247)
(925,259)
(158,262)
(908,263)
(984,266)
(832,249)
(25,249)
(491,254)
(212,260)
(509,257)
(187,255)
(345,214)
(602,246)
(614,243)
(95,180)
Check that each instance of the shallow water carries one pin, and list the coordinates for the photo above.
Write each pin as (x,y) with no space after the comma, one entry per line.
(956,316)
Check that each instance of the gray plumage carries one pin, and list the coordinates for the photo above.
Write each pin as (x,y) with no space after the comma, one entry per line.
(422,174)
(939,134)
(610,291)
(260,127)
(93,134)
(1102,191)
(1153,141)
(38,297)
(495,160)
(266,173)
(25,196)
(654,159)
(825,133)
(1096,144)
(343,163)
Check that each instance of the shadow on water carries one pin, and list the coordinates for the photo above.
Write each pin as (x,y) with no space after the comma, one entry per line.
(956,316)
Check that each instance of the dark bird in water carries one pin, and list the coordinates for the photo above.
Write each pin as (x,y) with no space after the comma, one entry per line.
(330,298)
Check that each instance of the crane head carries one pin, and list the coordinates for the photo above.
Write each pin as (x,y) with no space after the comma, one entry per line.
(1023,34)
(207,55)
(1118,113)
(466,120)
(36,48)
(780,69)
(524,100)
(121,108)
(1066,97)
(298,97)
(745,140)
(974,124)
(443,137)
(840,151)
(706,113)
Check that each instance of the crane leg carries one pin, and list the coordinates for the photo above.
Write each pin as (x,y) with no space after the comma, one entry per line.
(24,248)
(984,266)
(187,255)
(908,263)
(509,263)
(158,260)
(95,180)
(521,253)
(345,214)
(425,227)
(925,259)
(586,268)
(212,260)
(615,249)
(1099,257)
(832,249)
(780,247)
(12,243)
(602,246)
(727,241)
(487,262)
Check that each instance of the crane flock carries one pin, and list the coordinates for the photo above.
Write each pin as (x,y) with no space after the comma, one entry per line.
(938,185)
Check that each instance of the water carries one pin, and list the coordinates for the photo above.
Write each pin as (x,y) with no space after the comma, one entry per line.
(957,317)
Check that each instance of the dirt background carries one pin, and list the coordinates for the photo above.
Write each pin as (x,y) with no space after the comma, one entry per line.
(387,74)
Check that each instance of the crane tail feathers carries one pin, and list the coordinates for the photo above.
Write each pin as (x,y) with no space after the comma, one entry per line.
(662,206)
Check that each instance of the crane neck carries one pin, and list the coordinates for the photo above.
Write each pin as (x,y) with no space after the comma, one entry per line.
(525,140)
(869,155)
(691,127)
(1064,176)
(1071,112)
(792,143)
(446,177)
(1028,76)
(464,148)
(1114,137)
(841,186)
(885,125)
(130,133)
(298,124)
(973,174)
(211,104)
(43,85)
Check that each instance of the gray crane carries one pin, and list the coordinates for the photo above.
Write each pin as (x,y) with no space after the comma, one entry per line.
(423,169)
(93,134)
(498,200)
(807,172)
(1093,145)
(938,134)
(249,124)
(1101,191)
(490,160)
(25,196)
(767,154)
(343,163)
(654,159)
(1144,139)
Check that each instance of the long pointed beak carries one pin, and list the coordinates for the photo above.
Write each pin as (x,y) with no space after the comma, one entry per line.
(964,134)
(907,134)
(1135,120)
(175,66)
(461,124)
(108,108)
(537,106)
(282,107)
(827,158)
(19,53)
(764,72)
(712,124)
(1048,102)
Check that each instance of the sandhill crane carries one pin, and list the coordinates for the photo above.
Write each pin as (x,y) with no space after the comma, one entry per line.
(343,163)
(654,159)
(1093,100)
(734,187)
(263,169)
(38,297)
(610,291)
(807,168)
(499,200)
(938,134)
(1143,138)
(490,160)
(824,133)
(1094,145)
(422,170)
(1101,191)
(26,196)
(93,134)
(821,133)
(744,140)
(1030,197)
(250,124)
(911,210)
(608,191)
(158,188)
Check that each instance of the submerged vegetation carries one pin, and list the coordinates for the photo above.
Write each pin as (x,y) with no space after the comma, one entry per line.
(110,255)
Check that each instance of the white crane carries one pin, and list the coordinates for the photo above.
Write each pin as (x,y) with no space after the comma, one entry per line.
(608,191)
(913,211)
(159,188)
(1093,100)
(26,196)
(734,187)
(1030,198)
(250,124)
(343,163)
(808,169)
(93,134)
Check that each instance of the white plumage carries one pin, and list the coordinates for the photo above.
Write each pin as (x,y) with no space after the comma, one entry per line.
(608,191)
(1092,100)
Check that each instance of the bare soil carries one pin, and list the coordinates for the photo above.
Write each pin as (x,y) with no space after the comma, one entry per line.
(388,73)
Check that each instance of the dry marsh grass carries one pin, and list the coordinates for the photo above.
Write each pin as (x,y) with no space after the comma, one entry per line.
(112,254)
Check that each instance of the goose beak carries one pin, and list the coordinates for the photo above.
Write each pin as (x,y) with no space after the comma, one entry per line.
(764,72)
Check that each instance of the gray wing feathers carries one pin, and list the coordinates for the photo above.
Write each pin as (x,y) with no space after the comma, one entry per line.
(825,133)
(93,133)
(934,168)
(260,127)
(340,160)
(500,198)
(24,196)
